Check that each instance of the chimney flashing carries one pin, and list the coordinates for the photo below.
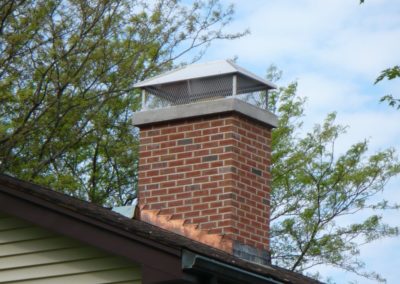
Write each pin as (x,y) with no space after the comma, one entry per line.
(205,108)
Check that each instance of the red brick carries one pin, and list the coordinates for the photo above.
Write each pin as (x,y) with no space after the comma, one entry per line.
(175,203)
(210,172)
(176,176)
(184,128)
(168,157)
(168,130)
(216,177)
(200,207)
(192,200)
(192,174)
(176,136)
(212,211)
(201,139)
(202,125)
(175,190)
(217,204)
(152,199)
(184,181)
(184,155)
(224,210)
(167,171)
(201,179)
(217,164)
(184,195)
(153,132)
(158,179)
(209,225)
(177,216)
(211,144)
(217,231)
(192,134)
(158,192)
(209,185)
(215,217)
(225,223)
(151,160)
(215,123)
(200,220)
(175,163)
(168,184)
(192,161)
(167,198)
(176,150)
(144,141)
(209,131)
(168,144)
(218,150)
(201,193)
(184,209)
(209,198)
(203,152)
(191,214)
(145,154)
(158,165)
(183,169)
(201,166)
(161,138)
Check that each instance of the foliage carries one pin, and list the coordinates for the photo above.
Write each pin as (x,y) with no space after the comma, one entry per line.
(390,74)
(67,68)
(314,189)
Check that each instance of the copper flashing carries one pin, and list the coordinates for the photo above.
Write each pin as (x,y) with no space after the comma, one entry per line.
(190,231)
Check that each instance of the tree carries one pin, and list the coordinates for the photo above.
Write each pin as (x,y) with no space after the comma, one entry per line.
(67,68)
(314,188)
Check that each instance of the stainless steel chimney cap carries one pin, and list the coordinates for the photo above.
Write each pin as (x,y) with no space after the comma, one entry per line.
(205,81)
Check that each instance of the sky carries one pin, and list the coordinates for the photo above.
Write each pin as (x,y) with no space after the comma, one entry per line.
(334,49)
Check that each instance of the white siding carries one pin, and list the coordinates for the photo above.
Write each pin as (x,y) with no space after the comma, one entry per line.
(31,255)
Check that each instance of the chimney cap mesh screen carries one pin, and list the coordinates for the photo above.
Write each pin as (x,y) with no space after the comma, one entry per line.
(200,89)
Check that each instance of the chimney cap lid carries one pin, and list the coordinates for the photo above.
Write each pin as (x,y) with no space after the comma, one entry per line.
(202,70)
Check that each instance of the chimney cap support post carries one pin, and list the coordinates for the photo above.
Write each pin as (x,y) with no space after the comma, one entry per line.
(234,85)
(144,106)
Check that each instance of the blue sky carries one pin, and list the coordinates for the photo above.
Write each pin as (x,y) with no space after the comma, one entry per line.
(335,49)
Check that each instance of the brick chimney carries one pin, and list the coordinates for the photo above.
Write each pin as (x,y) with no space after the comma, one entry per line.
(204,168)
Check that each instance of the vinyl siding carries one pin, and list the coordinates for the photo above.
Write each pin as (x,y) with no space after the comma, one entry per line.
(32,255)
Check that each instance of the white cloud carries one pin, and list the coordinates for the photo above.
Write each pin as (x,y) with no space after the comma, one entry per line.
(364,53)
(327,94)
(336,34)
(380,127)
